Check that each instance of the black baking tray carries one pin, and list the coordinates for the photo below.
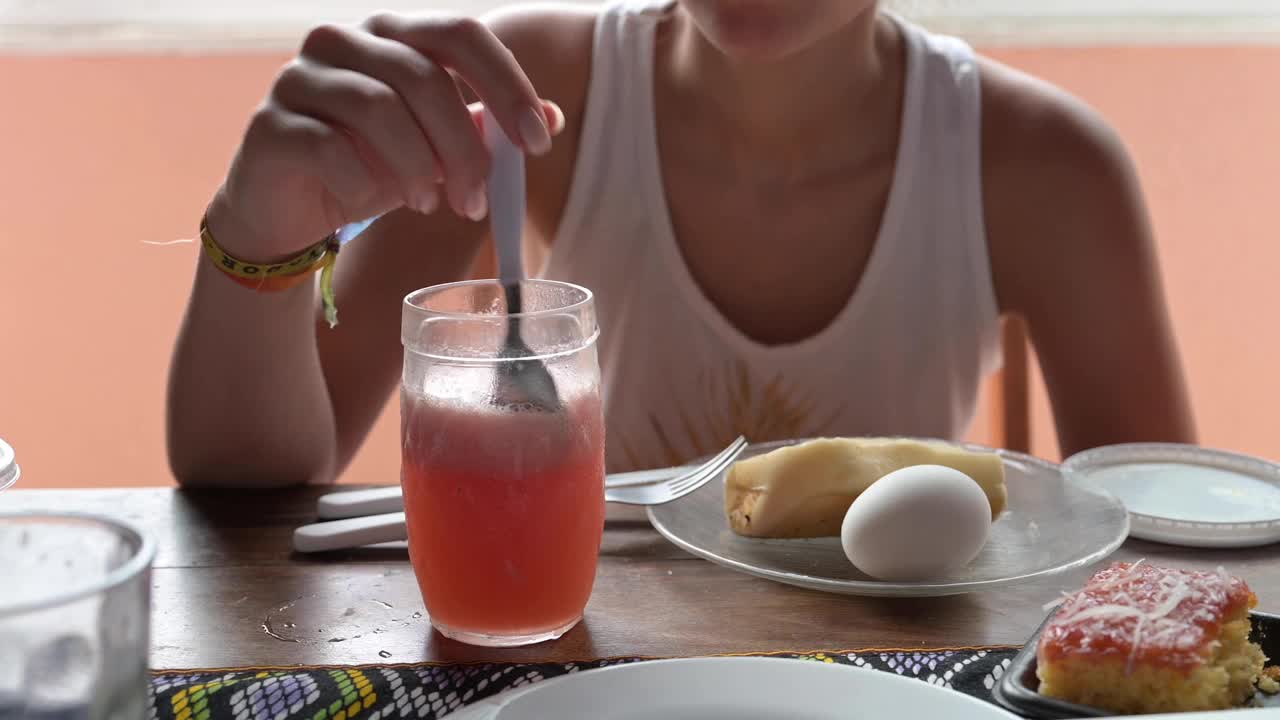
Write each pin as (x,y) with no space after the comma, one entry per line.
(1018,689)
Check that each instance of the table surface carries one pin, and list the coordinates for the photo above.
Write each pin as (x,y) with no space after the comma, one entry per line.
(225,574)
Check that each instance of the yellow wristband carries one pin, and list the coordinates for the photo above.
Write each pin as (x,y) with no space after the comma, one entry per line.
(282,275)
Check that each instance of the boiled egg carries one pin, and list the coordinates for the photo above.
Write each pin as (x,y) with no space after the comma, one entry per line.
(917,523)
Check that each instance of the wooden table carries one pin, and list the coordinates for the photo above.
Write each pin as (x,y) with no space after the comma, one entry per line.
(225,569)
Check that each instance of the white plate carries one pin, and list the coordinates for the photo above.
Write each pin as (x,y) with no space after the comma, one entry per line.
(8,466)
(732,689)
(1187,495)
(1051,526)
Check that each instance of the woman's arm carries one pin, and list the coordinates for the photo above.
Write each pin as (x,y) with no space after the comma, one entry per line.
(1072,253)
(260,392)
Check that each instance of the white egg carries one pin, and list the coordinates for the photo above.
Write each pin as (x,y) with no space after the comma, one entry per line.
(917,523)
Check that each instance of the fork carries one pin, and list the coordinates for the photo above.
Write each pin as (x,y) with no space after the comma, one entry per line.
(390,499)
(353,532)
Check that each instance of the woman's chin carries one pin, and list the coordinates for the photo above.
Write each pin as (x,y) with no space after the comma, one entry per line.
(755,45)
(766,30)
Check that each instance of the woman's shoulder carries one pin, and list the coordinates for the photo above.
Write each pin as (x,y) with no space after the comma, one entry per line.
(1072,252)
(1029,118)
(1059,187)
(553,42)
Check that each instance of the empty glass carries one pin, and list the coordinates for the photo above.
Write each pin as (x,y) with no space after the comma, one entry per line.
(74,617)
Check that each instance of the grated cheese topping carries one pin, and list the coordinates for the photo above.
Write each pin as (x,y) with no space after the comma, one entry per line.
(1145,614)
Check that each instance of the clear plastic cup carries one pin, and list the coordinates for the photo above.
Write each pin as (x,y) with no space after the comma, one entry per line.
(74,617)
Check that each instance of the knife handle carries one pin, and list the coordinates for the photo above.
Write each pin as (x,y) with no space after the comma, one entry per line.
(350,533)
(355,503)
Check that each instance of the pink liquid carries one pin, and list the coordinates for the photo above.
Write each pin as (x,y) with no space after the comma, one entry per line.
(505,513)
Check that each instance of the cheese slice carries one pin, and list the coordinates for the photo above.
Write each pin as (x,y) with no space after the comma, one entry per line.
(805,490)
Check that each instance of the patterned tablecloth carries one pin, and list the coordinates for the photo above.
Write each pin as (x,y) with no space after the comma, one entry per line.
(434,691)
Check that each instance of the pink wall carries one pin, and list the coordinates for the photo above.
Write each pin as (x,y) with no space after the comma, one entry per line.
(1204,127)
(100,154)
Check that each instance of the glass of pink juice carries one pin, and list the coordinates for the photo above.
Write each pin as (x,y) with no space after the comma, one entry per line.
(504,499)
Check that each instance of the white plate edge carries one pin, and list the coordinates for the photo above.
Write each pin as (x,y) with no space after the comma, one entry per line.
(489,708)
(1157,528)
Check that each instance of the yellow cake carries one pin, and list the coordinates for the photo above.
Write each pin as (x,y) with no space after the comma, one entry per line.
(1144,639)
(1269,683)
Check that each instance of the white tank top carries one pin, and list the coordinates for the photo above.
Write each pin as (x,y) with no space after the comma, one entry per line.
(905,356)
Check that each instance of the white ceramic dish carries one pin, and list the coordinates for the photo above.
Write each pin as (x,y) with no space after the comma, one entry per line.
(732,689)
(1051,526)
(9,471)
(1187,495)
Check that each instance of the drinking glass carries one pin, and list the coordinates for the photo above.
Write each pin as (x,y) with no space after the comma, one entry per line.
(504,498)
(74,617)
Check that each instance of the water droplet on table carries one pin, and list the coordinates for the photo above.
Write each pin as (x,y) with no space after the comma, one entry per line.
(320,618)
(270,629)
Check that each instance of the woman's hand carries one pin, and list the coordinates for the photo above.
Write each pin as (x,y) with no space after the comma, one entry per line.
(371,118)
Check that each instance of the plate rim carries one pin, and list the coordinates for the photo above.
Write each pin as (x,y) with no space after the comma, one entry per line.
(873,588)
(1164,529)
(9,470)
(682,664)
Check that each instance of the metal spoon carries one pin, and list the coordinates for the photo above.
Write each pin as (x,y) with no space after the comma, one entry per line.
(522,379)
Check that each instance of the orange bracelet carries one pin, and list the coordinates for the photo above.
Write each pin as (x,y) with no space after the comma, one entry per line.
(283,275)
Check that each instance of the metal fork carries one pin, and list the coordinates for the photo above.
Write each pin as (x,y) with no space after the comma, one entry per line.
(390,527)
(389,499)
(677,487)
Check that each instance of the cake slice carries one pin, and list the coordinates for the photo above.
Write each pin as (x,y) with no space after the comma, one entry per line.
(1144,639)
(1269,683)
(805,490)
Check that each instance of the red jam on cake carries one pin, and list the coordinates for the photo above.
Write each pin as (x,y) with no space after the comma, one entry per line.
(1144,639)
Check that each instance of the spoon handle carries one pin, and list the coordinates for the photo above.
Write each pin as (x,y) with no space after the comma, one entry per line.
(506,201)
